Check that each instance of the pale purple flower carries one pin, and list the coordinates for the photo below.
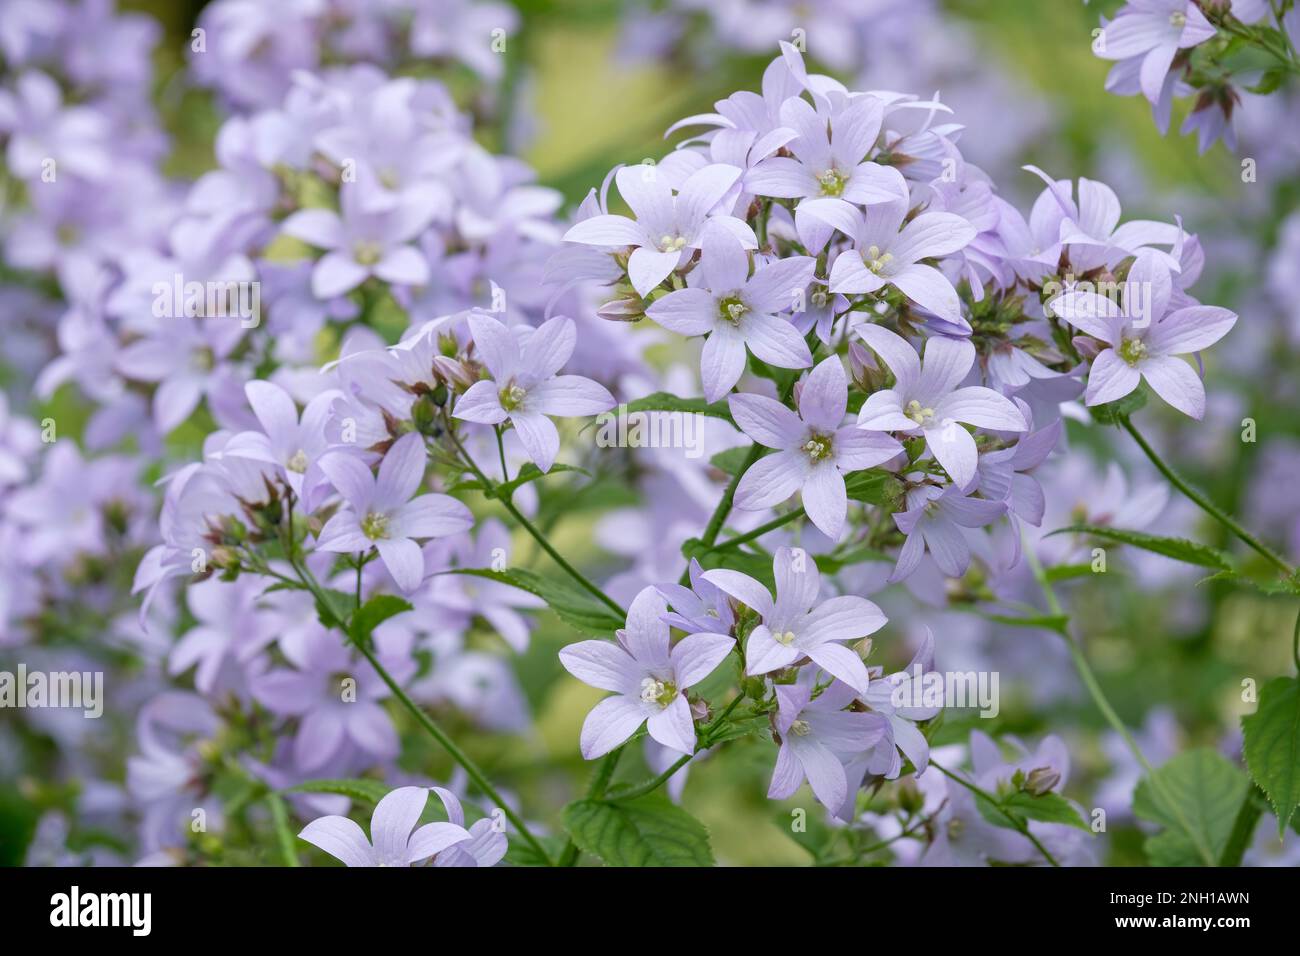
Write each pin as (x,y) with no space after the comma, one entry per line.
(363,243)
(648,677)
(380,512)
(296,446)
(927,399)
(486,844)
(330,714)
(666,227)
(900,699)
(794,626)
(818,738)
(829,156)
(934,521)
(391,842)
(525,388)
(1143,341)
(887,252)
(701,608)
(815,450)
(737,311)
(1154,30)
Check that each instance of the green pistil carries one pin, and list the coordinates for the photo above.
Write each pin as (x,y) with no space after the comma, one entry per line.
(375,526)
(1133,351)
(817,447)
(731,309)
(832,182)
(658,692)
(512,396)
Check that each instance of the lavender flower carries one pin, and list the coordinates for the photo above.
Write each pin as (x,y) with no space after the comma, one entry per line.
(794,626)
(648,677)
(381,513)
(395,840)
(814,448)
(525,388)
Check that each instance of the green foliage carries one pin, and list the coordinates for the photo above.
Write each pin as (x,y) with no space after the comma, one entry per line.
(1273,746)
(1195,797)
(367,791)
(666,402)
(573,607)
(373,613)
(650,831)
(1180,549)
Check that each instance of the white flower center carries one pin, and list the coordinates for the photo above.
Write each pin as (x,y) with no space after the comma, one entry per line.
(512,396)
(817,446)
(1178,19)
(1133,351)
(375,526)
(916,413)
(786,638)
(800,728)
(658,692)
(671,243)
(298,463)
(876,260)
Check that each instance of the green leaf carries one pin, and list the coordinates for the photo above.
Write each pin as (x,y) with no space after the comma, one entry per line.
(1195,797)
(650,831)
(757,566)
(730,461)
(520,853)
(666,402)
(1048,808)
(373,613)
(506,489)
(736,727)
(1287,588)
(1273,746)
(1180,549)
(1049,622)
(875,486)
(573,607)
(371,791)
(1112,413)
(1066,572)
(340,601)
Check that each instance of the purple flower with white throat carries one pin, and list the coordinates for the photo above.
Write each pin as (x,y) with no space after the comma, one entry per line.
(887,252)
(829,156)
(381,513)
(525,388)
(1154,30)
(362,243)
(296,446)
(794,626)
(814,448)
(926,399)
(701,608)
(818,738)
(666,226)
(934,520)
(391,842)
(1143,341)
(648,677)
(737,311)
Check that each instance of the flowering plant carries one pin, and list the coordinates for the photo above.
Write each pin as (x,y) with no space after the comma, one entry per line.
(348,404)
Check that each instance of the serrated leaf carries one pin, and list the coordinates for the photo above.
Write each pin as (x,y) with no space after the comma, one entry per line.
(571,606)
(666,402)
(1047,808)
(1273,746)
(373,613)
(1180,549)
(650,831)
(1195,797)
(371,791)
(1287,588)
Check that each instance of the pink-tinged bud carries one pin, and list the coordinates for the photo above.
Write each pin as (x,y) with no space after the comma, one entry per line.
(866,374)
(1041,780)
(1087,346)
(622,310)
(453,371)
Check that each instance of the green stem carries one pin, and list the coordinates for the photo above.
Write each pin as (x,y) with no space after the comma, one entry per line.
(761,530)
(491,490)
(1204,503)
(425,721)
(992,801)
(284,836)
(599,783)
(1089,678)
(458,755)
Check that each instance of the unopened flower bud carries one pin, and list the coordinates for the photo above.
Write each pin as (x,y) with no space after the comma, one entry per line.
(1041,780)
(622,310)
